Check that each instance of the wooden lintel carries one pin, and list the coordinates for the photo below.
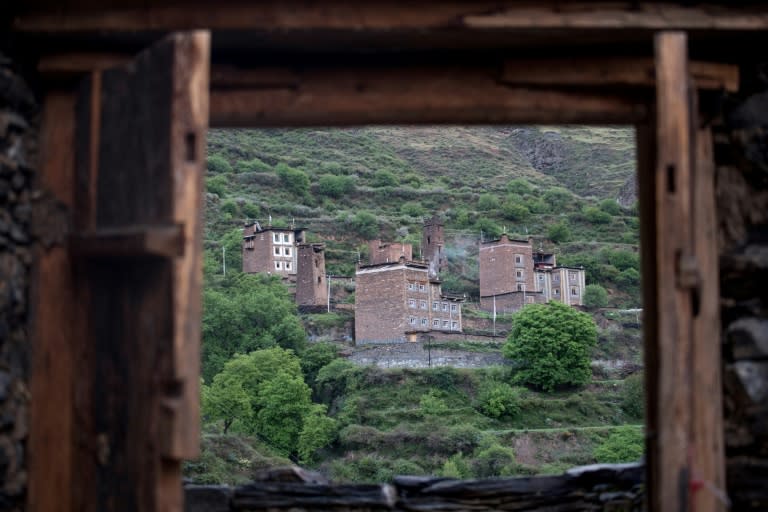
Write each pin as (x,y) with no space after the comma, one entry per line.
(41,17)
(163,241)
(460,95)
(613,72)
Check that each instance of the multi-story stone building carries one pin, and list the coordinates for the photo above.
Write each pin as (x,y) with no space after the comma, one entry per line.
(388,252)
(396,300)
(311,281)
(512,275)
(271,250)
(433,246)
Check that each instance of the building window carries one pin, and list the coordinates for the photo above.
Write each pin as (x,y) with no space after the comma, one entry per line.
(454,308)
(412,320)
(411,303)
(423,321)
(276,237)
(556,291)
(319,279)
(411,286)
(574,291)
(572,276)
(278,265)
(435,323)
(455,326)
(423,304)
(422,288)
(529,300)
(445,324)
(519,287)
(435,306)
(287,251)
(445,306)
(287,265)
(519,274)
(518,258)
(277,251)
(541,277)
(286,238)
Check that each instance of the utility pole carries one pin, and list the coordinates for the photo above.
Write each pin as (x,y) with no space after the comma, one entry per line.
(224,260)
(494,315)
(328,278)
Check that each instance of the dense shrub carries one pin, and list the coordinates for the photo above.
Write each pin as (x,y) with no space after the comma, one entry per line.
(217,164)
(495,460)
(551,345)
(558,198)
(365,224)
(254,165)
(624,444)
(633,396)
(294,180)
(514,210)
(431,404)
(412,209)
(487,202)
(595,296)
(229,206)
(335,186)
(384,178)
(216,185)
(497,399)
(610,207)
(559,232)
(251,210)
(520,186)
(595,215)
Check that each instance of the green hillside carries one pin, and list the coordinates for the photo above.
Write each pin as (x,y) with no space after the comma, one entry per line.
(573,186)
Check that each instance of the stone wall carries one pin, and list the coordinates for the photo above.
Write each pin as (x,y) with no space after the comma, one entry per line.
(17,154)
(416,355)
(741,155)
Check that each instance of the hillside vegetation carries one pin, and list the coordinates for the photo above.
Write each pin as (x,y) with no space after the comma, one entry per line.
(571,189)
(272,395)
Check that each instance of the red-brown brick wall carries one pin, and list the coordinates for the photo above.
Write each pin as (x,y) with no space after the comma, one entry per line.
(498,266)
(311,283)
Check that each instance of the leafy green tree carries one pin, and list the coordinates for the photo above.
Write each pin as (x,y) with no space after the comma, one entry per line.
(251,210)
(494,460)
(318,430)
(551,344)
(284,401)
(624,444)
(248,312)
(558,198)
(218,164)
(559,232)
(226,400)
(412,209)
(595,296)
(294,180)
(335,186)
(489,228)
(431,404)
(229,206)
(315,357)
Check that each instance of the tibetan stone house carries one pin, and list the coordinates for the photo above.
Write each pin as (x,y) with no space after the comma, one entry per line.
(104,108)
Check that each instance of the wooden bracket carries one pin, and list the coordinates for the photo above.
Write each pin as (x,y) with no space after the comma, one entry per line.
(163,241)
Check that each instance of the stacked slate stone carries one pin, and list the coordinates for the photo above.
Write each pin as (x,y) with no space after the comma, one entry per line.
(17,150)
(603,487)
(742,198)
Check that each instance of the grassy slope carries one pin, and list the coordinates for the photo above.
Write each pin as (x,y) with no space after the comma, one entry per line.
(450,170)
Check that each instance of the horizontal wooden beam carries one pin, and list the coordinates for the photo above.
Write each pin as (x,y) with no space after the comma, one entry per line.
(163,241)
(461,95)
(613,72)
(586,72)
(44,16)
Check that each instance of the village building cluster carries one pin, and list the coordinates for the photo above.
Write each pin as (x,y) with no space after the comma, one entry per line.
(399,298)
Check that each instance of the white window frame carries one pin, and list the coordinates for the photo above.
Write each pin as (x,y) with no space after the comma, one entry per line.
(423,304)
(435,306)
(276,238)
(435,323)
(287,251)
(412,303)
(454,326)
(287,265)
(424,322)
(277,251)
(454,308)
(412,320)
(422,288)
(445,306)
(278,265)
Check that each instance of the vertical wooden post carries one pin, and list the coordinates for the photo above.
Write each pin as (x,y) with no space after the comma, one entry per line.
(707,444)
(646,177)
(54,334)
(674,259)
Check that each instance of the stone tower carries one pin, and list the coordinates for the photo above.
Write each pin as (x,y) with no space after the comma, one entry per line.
(311,284)
(433,246)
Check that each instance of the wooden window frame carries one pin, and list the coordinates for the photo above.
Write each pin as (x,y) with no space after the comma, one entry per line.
(677,222)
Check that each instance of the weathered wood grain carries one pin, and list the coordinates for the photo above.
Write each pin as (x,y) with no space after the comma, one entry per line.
(674,142)
(54,334)
(707,457)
